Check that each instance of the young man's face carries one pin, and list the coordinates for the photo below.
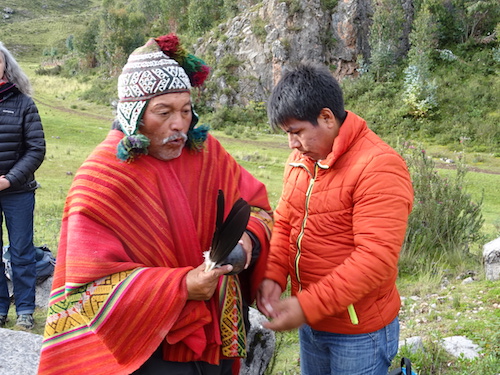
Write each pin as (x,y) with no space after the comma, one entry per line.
(313,141)
(166,122)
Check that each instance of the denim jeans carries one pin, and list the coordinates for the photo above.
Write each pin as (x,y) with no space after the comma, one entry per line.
(17,209)
(323,353)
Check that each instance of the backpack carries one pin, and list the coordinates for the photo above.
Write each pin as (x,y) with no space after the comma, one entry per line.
(405,368)
(45,263)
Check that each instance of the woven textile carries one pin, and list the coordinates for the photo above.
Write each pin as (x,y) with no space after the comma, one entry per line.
(231,323)
(129,235)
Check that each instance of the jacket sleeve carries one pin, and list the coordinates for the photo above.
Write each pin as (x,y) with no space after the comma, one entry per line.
(382,202)
(277,266)
(33,147)
(260,225)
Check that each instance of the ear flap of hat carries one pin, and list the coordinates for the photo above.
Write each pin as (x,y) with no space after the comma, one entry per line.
(129,115)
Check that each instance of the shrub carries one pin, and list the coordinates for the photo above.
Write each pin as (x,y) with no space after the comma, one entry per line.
(240,121)
(444,222)
(420,91)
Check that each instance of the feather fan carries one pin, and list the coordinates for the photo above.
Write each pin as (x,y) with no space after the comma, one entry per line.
(227,232)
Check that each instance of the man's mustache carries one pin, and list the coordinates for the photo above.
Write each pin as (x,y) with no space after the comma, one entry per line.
(175,137)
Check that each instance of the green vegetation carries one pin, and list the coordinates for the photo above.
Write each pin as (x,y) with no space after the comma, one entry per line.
(445,221)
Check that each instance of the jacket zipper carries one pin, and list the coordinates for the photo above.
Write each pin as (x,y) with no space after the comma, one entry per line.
(350,309)
(304,222)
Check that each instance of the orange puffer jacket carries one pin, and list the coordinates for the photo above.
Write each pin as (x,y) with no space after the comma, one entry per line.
(338,231)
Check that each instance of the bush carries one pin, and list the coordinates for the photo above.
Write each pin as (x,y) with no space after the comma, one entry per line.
(420,91)
(240,121)
(444,222)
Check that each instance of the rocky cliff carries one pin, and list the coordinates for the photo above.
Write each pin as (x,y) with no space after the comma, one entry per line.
(249,51)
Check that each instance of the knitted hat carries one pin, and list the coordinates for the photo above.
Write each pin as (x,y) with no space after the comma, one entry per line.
(159,67)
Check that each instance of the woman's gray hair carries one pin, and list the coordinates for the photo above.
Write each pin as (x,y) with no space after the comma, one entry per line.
(14,73)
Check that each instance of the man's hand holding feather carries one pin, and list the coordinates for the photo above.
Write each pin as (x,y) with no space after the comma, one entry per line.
(201,284)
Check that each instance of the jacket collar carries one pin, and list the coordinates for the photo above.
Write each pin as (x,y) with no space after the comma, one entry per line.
(6,90)
(350,130)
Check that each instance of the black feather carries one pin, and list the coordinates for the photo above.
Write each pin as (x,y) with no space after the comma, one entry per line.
(219,219)
(228,232)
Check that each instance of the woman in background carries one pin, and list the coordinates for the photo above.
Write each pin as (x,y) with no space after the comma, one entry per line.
(22,150)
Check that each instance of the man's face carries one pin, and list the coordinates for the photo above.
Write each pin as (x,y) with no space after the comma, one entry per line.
(313,141)
(166,122)
(2,66)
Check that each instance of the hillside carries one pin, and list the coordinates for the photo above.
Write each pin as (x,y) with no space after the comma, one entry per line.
(437,80)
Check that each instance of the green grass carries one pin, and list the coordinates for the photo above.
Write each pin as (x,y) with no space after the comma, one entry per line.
(70,138)
(37,25)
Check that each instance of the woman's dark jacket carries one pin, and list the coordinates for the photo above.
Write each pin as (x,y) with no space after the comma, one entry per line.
(22,142)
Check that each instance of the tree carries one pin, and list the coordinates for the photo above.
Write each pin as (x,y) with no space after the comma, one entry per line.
(419,89)
(202,15)
(86,43)
(120,32)
(386,33)
(460,21)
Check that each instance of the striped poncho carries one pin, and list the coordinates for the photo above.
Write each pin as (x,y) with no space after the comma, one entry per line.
(130,233)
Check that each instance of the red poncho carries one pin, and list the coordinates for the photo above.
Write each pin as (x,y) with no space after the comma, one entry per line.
(130,233)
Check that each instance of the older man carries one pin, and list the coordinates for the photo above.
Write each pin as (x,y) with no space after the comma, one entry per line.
(130,292)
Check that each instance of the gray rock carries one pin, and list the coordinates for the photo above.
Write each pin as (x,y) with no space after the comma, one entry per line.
(19,352)
(491,259)
(468,280)
(263,39)
(414,344)
(42,293)
(459,346)
(260,346)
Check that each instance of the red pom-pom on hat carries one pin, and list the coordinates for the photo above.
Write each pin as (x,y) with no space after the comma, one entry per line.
(199,77)
(169,44)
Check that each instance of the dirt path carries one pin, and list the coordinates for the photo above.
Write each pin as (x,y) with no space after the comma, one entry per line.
(73,111)
(469,168)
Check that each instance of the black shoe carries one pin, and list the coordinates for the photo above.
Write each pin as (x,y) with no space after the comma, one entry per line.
(3,320)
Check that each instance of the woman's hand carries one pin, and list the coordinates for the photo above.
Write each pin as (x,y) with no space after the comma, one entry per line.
(246,243)
(4,183)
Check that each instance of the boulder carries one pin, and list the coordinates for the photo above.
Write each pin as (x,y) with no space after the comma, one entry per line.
(459,346)
(491,259)
(260,346)
(19,351)
(414,344)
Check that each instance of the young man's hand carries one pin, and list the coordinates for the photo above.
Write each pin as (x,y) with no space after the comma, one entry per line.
(288,315)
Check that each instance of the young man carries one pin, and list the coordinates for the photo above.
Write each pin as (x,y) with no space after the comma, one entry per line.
(339,227)
(130,291)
